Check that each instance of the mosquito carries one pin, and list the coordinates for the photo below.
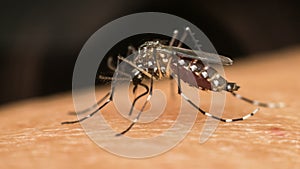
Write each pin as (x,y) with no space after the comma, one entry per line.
(156,61)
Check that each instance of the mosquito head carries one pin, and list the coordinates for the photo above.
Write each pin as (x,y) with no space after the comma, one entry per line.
(230,87)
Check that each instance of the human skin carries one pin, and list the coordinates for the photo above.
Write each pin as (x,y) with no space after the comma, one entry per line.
(31,135)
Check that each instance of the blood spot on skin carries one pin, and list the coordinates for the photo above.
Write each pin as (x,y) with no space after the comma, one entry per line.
(275,131)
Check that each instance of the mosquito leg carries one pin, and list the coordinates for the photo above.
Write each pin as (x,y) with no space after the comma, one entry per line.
(93,106)
(178,78)
(219,118)
(185,33)
(142,71)
(140,112)
(137,98)
(95,111)
(206,113)
(171,78)
(110,94)
(258,103)
(134,90)
(101,100)
(175,34)
(88,116)
(145,103)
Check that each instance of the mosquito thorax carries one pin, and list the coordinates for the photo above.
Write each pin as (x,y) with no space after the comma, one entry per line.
(151,60)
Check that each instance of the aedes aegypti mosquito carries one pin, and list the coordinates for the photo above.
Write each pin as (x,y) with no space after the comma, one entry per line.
(156,61)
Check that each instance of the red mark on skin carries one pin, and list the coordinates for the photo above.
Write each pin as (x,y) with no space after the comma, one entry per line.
(275,131)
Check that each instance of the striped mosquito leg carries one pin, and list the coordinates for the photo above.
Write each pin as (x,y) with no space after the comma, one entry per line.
(101,100)
(126,78)
(88,116)
(139,114)
(137,98)
(216,117)
(258,103)
(91,107)
(110,94)
(206,113)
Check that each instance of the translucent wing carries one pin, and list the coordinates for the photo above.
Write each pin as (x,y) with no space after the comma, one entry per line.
(205,57)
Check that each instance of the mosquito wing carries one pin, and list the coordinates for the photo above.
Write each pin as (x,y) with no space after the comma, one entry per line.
(205,57)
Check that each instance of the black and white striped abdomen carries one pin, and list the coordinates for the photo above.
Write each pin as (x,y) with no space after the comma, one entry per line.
(196,74)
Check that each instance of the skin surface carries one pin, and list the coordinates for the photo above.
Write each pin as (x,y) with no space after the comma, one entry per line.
(31,135)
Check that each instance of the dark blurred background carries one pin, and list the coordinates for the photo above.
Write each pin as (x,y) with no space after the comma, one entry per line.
(40,40)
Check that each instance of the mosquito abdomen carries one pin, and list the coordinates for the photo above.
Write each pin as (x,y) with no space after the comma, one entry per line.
(196,74)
